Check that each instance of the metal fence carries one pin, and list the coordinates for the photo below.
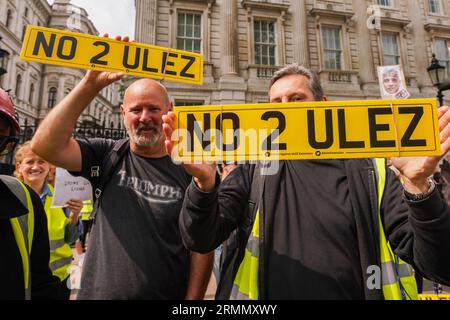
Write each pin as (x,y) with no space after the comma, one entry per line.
(86,130)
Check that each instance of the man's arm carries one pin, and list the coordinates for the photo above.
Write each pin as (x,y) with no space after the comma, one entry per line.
(416,170)
(419,231)
(53,140)
(199,275)
(208,218)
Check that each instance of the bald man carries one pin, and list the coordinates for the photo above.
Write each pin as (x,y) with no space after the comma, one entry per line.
(135,249)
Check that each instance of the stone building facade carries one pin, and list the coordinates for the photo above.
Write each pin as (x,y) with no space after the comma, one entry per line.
(245,41)
(35,87)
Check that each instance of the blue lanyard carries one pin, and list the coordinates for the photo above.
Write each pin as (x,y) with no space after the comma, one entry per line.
(397,274)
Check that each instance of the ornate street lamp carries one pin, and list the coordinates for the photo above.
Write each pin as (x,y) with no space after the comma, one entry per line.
(438,75)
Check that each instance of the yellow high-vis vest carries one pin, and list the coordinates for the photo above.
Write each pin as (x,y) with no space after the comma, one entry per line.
(23,229)
(86,211)
(397,276)
(398,282)
(60,251)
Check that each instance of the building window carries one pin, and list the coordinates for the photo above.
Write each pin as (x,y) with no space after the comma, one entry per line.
(385,3)
(265,45)
(18,85)
(52,97)
(434,6)
(443,53)
(31,96)
(8,18)
(26,12)
(332,48)
(391,49)
(189,32)
(188,103)
(24,30)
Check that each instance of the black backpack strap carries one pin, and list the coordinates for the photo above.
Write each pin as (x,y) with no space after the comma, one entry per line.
(106,170)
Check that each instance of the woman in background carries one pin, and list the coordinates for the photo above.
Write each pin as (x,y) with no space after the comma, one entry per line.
(62,222)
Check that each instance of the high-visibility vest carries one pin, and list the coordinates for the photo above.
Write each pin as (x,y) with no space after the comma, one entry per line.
(60,251)
(398,282)
(397,276)
(86,211)
(23,228)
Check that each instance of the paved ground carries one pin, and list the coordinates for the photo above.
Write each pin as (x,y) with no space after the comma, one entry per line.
(212,287)
(77,266)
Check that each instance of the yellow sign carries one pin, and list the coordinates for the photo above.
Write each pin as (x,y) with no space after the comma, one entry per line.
(85,51)
(434,296)
(309,130)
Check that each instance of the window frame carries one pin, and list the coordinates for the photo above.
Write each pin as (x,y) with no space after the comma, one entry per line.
(275,45)
(440,6)
(202,7)
(443,61)
(279,32)
(399,47)
(31,93)
(177,37)
(322,48)
(18,87)
(188,102)
(390,5)
(52,97)
(9,18)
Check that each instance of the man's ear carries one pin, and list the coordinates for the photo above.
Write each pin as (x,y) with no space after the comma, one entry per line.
(170,106)
(122,109)
(324,98)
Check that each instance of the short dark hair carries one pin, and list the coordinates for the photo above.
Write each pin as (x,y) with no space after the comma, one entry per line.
(294,68)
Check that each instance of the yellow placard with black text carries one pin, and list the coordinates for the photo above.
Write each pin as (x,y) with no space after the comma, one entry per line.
(434,296)
(308,130)
(77,50)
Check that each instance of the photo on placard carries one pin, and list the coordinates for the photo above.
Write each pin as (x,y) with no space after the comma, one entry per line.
(392,83)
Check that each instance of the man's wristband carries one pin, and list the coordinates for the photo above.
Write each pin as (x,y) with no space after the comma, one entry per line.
(421,196)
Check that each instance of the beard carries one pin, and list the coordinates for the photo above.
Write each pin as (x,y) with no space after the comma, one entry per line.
(144,140)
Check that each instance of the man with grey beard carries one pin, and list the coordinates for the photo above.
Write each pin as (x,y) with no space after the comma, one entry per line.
(135,249)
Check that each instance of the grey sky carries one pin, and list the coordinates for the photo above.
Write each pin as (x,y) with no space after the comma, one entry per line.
(112,17)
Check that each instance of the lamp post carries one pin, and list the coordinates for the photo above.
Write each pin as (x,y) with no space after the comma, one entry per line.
(438,75)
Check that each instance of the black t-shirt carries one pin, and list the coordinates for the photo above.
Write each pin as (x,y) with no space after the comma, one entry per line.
(313,253)
(135,250)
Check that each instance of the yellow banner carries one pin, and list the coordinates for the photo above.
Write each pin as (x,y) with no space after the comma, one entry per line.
(434,296)
(85,51)
(309,130)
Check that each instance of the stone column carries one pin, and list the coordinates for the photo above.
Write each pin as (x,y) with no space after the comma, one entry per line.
(232,87)
(229,17)
(43,96)
(61,85)
(301,54)
(146,17)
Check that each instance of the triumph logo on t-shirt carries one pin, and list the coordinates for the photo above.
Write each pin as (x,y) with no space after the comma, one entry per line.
(153,192)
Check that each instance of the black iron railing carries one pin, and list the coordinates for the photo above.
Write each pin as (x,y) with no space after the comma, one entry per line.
(84,130)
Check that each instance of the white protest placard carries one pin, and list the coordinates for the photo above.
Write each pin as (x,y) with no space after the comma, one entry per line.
(69,187)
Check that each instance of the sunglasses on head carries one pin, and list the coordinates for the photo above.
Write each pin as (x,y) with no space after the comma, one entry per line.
(7,144)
